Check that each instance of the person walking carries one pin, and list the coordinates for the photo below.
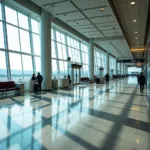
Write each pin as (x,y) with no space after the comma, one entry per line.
(39,80)
(141,80)
(107,78)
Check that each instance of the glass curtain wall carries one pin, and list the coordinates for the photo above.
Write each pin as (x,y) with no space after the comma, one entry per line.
(112,64)
(85,61)
(20,47)
(19,43)
(64,46)
(119,71)
(99,61)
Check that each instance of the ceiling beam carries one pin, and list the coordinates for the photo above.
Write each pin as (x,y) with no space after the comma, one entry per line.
(113,38)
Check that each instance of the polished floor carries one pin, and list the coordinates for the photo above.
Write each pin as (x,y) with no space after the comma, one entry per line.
(85,117)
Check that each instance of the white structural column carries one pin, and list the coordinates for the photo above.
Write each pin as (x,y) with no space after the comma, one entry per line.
(120,69)
(107,63)
(91,59)
(46,65)
(116,71)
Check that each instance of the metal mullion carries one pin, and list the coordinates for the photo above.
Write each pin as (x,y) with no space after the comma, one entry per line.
(66,45)
(6,42)
(20,46)
(31,45)
(56,51)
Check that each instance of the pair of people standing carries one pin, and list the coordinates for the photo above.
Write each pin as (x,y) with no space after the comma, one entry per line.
(39,80)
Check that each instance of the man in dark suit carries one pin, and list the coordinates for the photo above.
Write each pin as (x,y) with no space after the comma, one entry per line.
(39,80)
(142,81)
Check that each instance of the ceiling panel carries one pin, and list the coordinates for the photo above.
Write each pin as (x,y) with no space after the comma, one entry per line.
(102,20)
(86,4)
(62,7)
(79,23)
(97,12)
(71,16)
(43,2)
(86,17)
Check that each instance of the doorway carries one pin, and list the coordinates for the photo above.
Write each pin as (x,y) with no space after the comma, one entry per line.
(76,76)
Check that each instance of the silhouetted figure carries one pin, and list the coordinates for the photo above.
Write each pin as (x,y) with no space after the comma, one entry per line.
(107,78)
(39,80)
(69,79)
(141,80)
(33,77)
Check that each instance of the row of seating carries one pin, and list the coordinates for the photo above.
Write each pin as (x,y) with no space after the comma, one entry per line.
(85,80)
(8,86)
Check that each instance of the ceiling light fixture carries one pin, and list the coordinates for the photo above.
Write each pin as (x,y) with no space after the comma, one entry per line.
(102,9)
(137,38)
(136,32)
(134,20)
(132,3)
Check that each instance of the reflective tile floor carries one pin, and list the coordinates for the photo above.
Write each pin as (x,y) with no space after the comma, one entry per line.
(85,117)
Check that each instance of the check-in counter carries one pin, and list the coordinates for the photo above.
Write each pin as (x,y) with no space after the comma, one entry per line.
(63,83)
(55,84)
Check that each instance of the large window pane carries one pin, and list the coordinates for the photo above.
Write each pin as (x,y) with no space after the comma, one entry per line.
(64,52)
(16,66)
(36,44)
(60,55)
(27,67)
(35,26)
(23,21)
(53,50)
(65,68)
(68,41)
(1,36)
(54,68)
(13,38)
(58,36)
(25,41)
(3,70)
(0,12)
(61,68)
(38,64)
(52,34)
(11,15)
(62,38)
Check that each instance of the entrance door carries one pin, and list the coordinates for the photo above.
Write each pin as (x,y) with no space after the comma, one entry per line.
(76,76)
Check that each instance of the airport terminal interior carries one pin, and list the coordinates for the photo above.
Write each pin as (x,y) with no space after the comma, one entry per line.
(90,55)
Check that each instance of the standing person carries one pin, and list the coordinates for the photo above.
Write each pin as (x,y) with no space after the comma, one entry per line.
(107,78)
(141,80)
(33,84)
(69,79)
(39,80)
(33,78)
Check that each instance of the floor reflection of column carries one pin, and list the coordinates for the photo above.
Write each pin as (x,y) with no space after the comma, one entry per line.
(8,127)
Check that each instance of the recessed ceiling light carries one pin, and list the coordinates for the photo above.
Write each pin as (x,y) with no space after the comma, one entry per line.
(136,32)
(132,3)
(134,20)
(137,46)
(102,9)
(137,38)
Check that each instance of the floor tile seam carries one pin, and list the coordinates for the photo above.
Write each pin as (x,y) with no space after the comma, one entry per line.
(122,108)
(125,103)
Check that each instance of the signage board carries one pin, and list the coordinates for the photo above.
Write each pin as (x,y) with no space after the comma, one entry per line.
(130,61)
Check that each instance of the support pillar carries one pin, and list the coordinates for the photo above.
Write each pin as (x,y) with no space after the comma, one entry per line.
(107,63)
(91,59)
(120,69)
(46,65)
(116,71)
